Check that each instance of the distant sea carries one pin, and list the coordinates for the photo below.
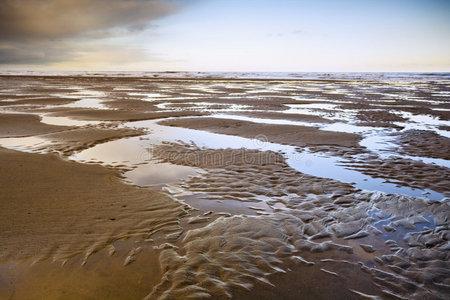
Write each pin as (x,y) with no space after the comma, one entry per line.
(248,75)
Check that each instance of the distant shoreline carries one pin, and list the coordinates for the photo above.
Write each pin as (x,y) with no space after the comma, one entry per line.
(242,76)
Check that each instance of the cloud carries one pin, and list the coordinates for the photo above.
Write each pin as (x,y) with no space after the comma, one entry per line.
(31,54)
(46,31)
(54,19)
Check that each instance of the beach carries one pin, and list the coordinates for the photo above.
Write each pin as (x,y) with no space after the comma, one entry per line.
(180,185)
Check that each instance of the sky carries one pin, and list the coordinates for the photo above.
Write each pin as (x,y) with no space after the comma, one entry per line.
(225,35)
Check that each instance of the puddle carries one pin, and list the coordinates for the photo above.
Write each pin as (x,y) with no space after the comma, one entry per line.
(81,93)
(348,128)
(264,120)
(326,106)
(127,151)
(400,232)
(329,167)
(148,96)
(201,106)
(66,121)
(228,206)
(86,103)
(336,127)
(379,143)
(89,93)
(338,115)
(377,140)
(422,122)
(124,89)
(25,144)
(384,145)
(154,174)
(320,100)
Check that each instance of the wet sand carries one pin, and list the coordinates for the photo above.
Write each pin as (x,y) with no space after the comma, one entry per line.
(425,143)
(16,125)
(249,207)
(283,116)
(405,172)
(119,115)
(307,221)
(64,208)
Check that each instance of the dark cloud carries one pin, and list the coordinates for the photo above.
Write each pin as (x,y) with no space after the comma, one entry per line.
(13,54)
(42,31)
(54,19)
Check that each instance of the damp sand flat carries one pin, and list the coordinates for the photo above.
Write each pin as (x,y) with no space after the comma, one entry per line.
(263,186)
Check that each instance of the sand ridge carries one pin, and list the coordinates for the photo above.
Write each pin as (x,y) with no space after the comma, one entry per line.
(88,207)
(349,227)
(425,143)
(406,172)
